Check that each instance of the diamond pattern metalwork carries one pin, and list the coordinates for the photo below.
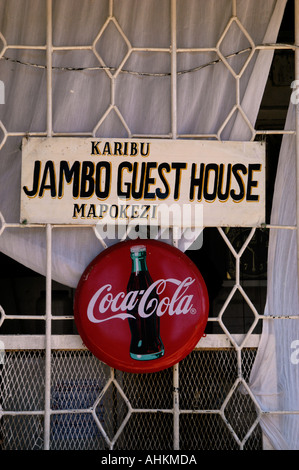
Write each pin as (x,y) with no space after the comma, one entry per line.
(2,223)
(112,35)
(2,315)
(234,412)
(3,135)
(236,29)
(235,113)
(93,411)
(94,407)
(3,45)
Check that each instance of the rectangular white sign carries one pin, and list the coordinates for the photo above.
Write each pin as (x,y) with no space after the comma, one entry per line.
(72,180)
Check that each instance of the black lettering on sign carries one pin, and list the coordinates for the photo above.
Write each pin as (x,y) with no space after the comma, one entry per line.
(178,174)
(211,182)
(87,181)
(120,148)
(49,180)
(161,168)
(68,175)
(35,184)
(196,181)
(149,181)
(94,148)
(239,167)
(79,211)
(142,179)
(138,177)
(223,194)
(103,181)
(251,183)
(121,192)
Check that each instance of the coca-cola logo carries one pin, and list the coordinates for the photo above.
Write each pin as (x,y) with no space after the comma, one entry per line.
(141,306)
(103,301)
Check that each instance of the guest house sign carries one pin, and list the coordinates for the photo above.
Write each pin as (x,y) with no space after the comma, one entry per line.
(89,180)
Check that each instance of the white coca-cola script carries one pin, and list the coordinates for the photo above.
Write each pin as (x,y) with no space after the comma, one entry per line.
(122,303)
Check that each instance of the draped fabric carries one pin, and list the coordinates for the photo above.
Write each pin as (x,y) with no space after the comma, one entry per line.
(206,96)
(275,374)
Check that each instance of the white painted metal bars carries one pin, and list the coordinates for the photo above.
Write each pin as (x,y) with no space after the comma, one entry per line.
(50,343)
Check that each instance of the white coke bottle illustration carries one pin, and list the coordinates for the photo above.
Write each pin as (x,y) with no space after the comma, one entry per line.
(146,343)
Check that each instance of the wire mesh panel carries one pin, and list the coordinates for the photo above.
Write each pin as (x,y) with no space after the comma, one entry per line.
(96,408)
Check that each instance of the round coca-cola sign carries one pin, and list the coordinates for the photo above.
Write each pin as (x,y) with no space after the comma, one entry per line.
(141,306)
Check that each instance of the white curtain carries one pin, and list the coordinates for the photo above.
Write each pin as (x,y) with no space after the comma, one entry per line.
(275,374)
(205,97)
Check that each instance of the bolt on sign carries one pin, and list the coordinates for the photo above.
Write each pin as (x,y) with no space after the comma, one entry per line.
(180,183)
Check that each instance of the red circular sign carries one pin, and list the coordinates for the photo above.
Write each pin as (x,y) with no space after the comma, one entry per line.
(141,306)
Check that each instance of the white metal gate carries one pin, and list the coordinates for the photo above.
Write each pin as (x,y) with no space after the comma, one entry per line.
(196,405)
(56,395)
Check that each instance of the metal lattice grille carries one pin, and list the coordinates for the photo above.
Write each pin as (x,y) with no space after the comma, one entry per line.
(53,396)
(94,407)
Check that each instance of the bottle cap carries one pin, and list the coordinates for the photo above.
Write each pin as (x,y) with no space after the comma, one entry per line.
(137,248)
